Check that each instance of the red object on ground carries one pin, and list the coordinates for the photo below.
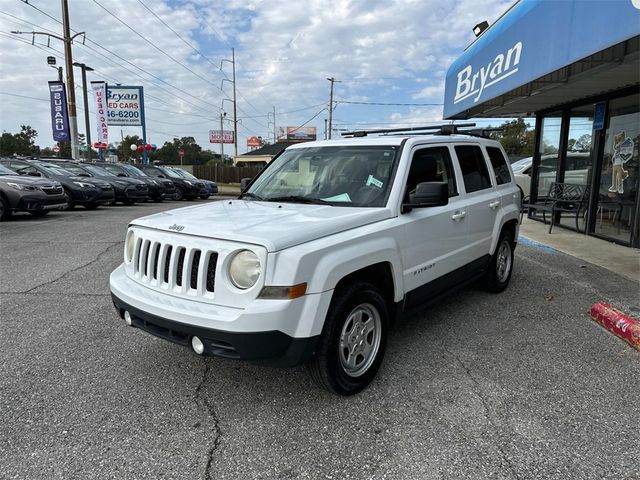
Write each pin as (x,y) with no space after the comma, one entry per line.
(621,324)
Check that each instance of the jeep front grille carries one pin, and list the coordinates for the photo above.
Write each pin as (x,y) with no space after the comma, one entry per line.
(175,267)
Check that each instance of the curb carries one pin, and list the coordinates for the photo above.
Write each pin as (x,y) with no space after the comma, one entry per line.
(620,324)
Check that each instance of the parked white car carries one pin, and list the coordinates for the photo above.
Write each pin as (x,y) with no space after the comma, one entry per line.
(327,246)
(576,171)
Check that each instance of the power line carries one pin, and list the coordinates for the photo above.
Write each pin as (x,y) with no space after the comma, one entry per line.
(300,126)
(24,96)
(349,102)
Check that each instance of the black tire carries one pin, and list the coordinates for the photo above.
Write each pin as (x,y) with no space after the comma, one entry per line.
(204,197)
(39,213)
(327,367)
(91,206)
(70,203)
(5,211)
(128,202)
(158,199)
(497,277)
(179,195)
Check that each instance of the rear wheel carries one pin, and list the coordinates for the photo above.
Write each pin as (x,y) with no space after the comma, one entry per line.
(179,195)
(351,347)
(5,211)
(499,273)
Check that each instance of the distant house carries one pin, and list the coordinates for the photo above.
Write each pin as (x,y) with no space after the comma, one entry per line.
(261,156)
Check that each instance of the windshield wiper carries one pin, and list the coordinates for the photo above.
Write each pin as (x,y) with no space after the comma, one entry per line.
(250,195)
(298,199)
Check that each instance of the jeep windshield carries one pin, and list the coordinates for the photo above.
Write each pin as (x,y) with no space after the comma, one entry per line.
(350,176)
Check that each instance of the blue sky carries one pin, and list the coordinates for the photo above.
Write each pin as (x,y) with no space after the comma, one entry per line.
(381,52)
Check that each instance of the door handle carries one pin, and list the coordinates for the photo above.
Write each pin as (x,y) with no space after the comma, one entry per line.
(459,215)
(494,205)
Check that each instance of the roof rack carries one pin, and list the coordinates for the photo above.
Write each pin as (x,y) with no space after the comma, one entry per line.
(444,129)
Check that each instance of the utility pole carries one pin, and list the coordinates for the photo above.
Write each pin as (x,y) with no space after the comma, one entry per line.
(235,116)
(274,125)
(325,128)
(332,80)
(87,124)
(71,93)
(222,115)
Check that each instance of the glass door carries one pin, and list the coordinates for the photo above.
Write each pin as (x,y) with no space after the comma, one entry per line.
(618,189)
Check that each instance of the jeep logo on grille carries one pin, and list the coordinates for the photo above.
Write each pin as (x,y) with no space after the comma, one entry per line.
(176,227)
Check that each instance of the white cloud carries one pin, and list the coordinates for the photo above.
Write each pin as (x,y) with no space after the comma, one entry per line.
(386,51)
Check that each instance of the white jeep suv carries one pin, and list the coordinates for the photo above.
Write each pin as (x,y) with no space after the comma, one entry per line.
(323,250)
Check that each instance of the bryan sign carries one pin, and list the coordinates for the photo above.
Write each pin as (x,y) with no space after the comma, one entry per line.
(472,82)
(124,105)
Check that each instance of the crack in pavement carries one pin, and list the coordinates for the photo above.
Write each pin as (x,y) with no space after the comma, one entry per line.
(487,415)
(204,402)
(98,257)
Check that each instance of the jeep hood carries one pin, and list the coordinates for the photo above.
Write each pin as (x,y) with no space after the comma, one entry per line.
(274,225)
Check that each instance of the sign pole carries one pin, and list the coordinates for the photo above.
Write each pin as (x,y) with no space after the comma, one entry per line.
(144,128)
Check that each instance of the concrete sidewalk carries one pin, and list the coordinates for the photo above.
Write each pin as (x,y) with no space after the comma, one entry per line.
(624,261)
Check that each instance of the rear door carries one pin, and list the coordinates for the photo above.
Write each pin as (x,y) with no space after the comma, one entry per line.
(482,202)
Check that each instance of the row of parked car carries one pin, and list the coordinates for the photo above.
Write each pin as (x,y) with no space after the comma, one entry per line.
(38,186)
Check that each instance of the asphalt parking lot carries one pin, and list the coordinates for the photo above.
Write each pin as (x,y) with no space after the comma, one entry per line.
(522,385)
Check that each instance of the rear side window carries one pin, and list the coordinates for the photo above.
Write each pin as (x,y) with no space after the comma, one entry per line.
(474,168)
(499,164)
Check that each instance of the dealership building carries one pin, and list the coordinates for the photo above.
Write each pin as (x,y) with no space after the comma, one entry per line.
(575,66)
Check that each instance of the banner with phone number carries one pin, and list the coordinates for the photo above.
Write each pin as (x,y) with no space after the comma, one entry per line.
(124,105)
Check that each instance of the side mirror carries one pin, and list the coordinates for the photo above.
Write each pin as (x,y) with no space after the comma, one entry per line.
(244,183)
(161,176)
(121,175)
(34,174)
(428,194)
(83,174)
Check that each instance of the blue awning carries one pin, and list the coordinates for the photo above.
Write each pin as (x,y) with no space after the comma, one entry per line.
(533,39)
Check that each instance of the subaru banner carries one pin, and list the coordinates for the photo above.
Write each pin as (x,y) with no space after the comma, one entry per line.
(59,114)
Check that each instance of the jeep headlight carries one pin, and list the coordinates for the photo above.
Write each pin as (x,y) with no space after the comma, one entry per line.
(244,269)
(129,246)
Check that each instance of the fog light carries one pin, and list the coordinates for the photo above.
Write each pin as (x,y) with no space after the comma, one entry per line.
(127,318)
(197,345)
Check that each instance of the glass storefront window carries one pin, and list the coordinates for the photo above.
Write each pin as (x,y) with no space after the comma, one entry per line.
(618,189)
(549,147)
(579,162)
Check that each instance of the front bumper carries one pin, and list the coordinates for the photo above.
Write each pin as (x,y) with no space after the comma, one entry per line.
(270,348)
(268,332)
(34,203)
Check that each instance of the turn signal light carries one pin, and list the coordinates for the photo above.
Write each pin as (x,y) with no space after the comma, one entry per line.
(283,293)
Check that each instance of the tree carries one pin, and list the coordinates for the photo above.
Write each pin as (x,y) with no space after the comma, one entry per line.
(124,152)
(516,137)
(22,143)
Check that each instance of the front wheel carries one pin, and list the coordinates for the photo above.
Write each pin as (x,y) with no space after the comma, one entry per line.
(128,202)
(5,211)
(91,206)
(179,195)
(70,205)
(39,213)
(499,272)
(352,345)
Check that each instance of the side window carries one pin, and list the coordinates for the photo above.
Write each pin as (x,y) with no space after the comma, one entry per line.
(499,164)
(22,168)
(112,168)
(474,168)
(432,165)
(153,171)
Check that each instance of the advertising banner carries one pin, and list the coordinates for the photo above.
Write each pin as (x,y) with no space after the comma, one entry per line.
(100,97)
(59,114)
(301,134)
(124,106)
(220,136)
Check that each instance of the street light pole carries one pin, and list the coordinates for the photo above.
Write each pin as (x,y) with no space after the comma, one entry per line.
(87,124)
(71,94)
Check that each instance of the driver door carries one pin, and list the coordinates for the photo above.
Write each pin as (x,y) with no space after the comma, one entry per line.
(433,244)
